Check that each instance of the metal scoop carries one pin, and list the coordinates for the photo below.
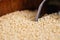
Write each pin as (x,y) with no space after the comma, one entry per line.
(47,6)
(39,14)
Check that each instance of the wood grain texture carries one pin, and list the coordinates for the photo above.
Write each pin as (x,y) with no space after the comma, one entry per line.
(7,6)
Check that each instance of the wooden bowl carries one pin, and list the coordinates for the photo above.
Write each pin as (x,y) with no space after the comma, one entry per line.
(7,6)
